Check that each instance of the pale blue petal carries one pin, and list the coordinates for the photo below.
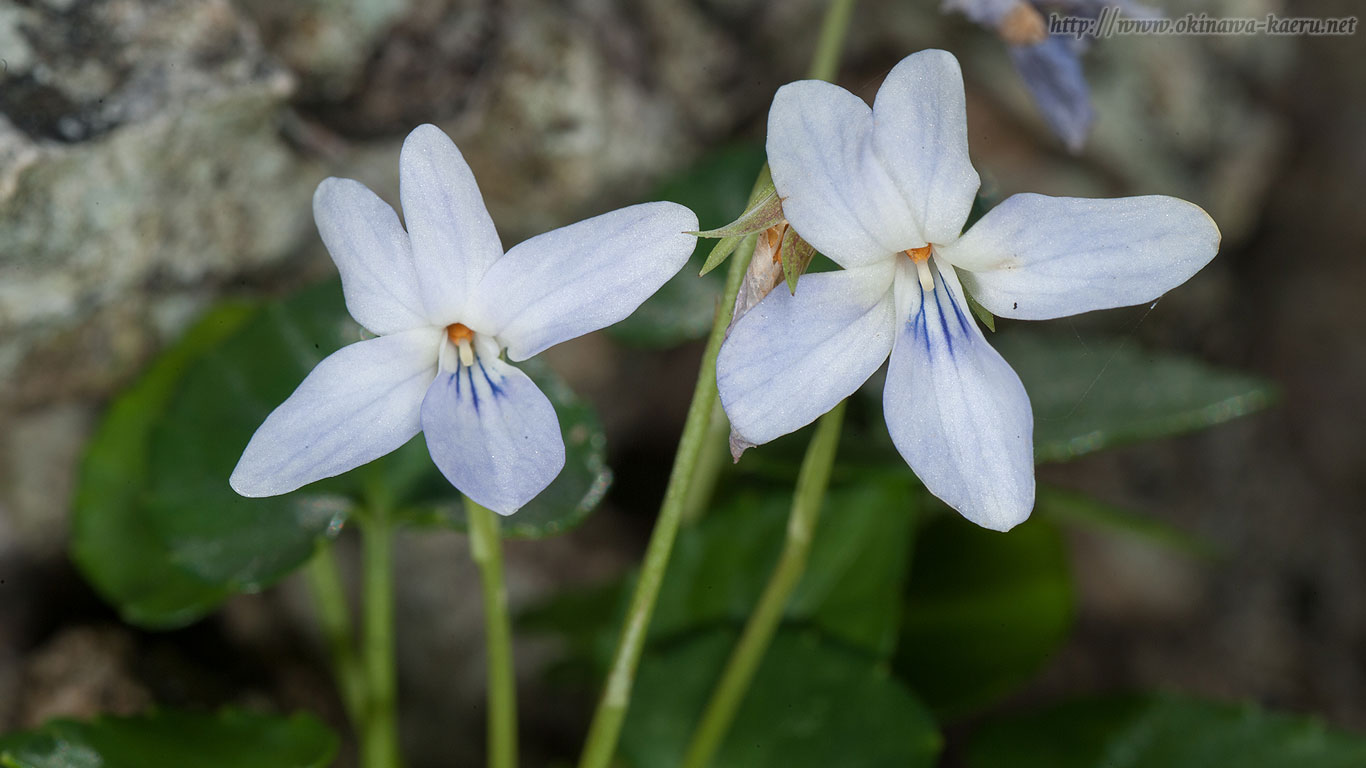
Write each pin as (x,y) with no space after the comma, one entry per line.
(792,358)
(454,241)
(372,253)
(921,137)
(358,404)
(1052,72)
(493,434)
(582,277)
(835,192)
(1036,257)
(956,410)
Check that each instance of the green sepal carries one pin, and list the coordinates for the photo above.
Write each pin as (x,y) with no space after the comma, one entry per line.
(796,255)
(765,213)
(987,319)
(720,252)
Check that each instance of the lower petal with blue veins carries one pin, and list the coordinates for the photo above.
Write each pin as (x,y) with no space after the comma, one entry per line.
(955,409)
(492,433)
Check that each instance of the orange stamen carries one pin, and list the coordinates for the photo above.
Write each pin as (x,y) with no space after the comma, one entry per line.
(919,255)
(457,332)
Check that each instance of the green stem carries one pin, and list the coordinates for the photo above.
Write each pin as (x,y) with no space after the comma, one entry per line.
(487,550)
(379,737)
(715,451)
(611,710)
(812,480)
(334,619)
(825,62)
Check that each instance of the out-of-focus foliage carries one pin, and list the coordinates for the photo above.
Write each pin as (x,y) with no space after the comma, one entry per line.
(984,612)
(1091,393)
(812,704)
(851,590)
(1161,731)
(228,739)
(163,537)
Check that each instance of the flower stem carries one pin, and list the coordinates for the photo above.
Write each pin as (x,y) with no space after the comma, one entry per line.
(812,480)
(379,737)
(715,450)
(611,710)
(487,550)
(334,619)
(826,60)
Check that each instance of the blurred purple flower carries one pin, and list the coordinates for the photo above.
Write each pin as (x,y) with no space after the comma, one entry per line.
(1049,64)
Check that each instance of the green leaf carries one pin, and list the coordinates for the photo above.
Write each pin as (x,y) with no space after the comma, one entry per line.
(812,703)
(1093,394)
(162,535)
(851,589)
(126,562)
(984,612)
(230,739)
(1082,511)
(1161,731)
(852,583)
(715,188)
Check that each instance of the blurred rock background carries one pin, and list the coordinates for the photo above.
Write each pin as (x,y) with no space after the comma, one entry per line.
(156,155)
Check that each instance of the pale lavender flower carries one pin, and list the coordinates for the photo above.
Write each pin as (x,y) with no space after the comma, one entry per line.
(446,302)
(1050,65)
(884,192)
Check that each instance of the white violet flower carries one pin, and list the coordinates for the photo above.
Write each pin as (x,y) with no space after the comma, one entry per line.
(446,302)
(884,192)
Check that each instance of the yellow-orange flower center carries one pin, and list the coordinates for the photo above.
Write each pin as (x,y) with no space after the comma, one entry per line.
(919,255)
(457,332)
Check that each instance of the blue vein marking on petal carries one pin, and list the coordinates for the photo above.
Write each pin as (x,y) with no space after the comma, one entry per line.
(943,320)
(962,319)
(496,389)
(455,377)
(474,393)
(918,325)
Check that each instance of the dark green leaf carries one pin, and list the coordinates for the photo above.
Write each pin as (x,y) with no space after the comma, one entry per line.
(174,740)
(226,392)
(1082,511)
(1161,731)
(124,560)
(1093,394)
(851,589)
(715,188)
(984,611)
(851,585)
(811,703)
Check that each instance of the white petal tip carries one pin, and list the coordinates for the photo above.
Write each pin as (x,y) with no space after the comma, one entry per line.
(1000,524)
(246,488)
